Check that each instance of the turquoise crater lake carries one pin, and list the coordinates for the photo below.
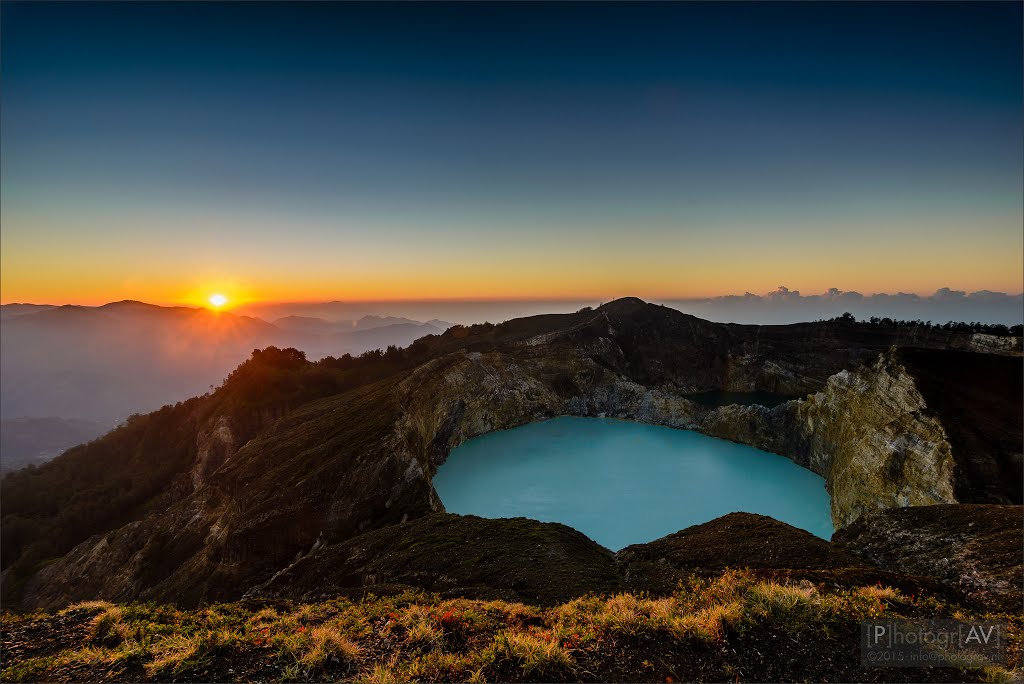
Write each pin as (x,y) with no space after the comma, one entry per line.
(623,483)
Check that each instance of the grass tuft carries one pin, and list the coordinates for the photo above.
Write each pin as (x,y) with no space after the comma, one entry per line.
(327,642)
(533,655)
(86,605)
(106,628)
(421,632)
(783,604)
(385,672)
(172,654)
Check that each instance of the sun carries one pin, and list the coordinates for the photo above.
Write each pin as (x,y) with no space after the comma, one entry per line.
(218,300)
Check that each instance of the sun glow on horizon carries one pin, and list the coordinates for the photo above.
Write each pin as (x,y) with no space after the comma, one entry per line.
(218,300)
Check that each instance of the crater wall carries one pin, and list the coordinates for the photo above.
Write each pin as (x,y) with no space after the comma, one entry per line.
(874,422)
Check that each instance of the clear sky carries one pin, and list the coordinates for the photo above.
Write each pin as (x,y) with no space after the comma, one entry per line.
(344,151)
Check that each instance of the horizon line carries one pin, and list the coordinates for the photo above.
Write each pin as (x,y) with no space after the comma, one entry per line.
(553,299)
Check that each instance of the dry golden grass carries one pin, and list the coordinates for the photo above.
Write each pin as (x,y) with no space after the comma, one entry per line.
(703,614)
(385,672)
(879,592)
(416,637)
(306,614)
(328,642)
(533,654)
(421,632)
(265,615)
(513,612)
(170,653)
(85,605)
(106,628)
(782,603)
(708,624)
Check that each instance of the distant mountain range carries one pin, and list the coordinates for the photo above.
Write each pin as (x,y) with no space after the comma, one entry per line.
(106,362)
(465,312)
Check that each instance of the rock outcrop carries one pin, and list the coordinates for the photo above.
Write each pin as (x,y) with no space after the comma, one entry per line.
(865,432)
(915,428)
(215,444)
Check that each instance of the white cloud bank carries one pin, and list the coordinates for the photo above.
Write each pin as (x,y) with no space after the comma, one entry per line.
(790,306)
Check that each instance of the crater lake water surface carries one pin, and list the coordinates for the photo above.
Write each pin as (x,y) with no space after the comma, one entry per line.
(623,483)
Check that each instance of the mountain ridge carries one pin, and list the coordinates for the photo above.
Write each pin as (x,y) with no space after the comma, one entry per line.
(348,446)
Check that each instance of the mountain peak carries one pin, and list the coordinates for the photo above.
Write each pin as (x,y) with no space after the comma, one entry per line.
(129,304)
(623,303)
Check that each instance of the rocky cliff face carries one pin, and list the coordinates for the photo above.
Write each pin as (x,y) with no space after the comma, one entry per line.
(363,459)
(866,432)
(214,445)
(994,344)
(462,397)
(869,432)
(880,443)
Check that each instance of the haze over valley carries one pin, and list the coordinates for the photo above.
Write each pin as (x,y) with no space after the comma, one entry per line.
(84,369)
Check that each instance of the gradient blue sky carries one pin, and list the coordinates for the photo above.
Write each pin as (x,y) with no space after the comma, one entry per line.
(322,151)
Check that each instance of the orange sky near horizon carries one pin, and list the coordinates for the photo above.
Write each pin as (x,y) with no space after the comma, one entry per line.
(240,292)
(596,273)
(107,258)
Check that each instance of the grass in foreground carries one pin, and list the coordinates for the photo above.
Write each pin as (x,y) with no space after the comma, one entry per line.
(733,627)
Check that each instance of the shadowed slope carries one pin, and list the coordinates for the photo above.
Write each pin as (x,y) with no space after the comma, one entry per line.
(515,559)
(980,400)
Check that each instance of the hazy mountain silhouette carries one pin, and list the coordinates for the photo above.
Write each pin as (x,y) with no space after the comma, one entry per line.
(125,357)
(780,306)
(14,310)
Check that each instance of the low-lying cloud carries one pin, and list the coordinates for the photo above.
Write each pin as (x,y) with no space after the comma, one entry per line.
(790,306)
